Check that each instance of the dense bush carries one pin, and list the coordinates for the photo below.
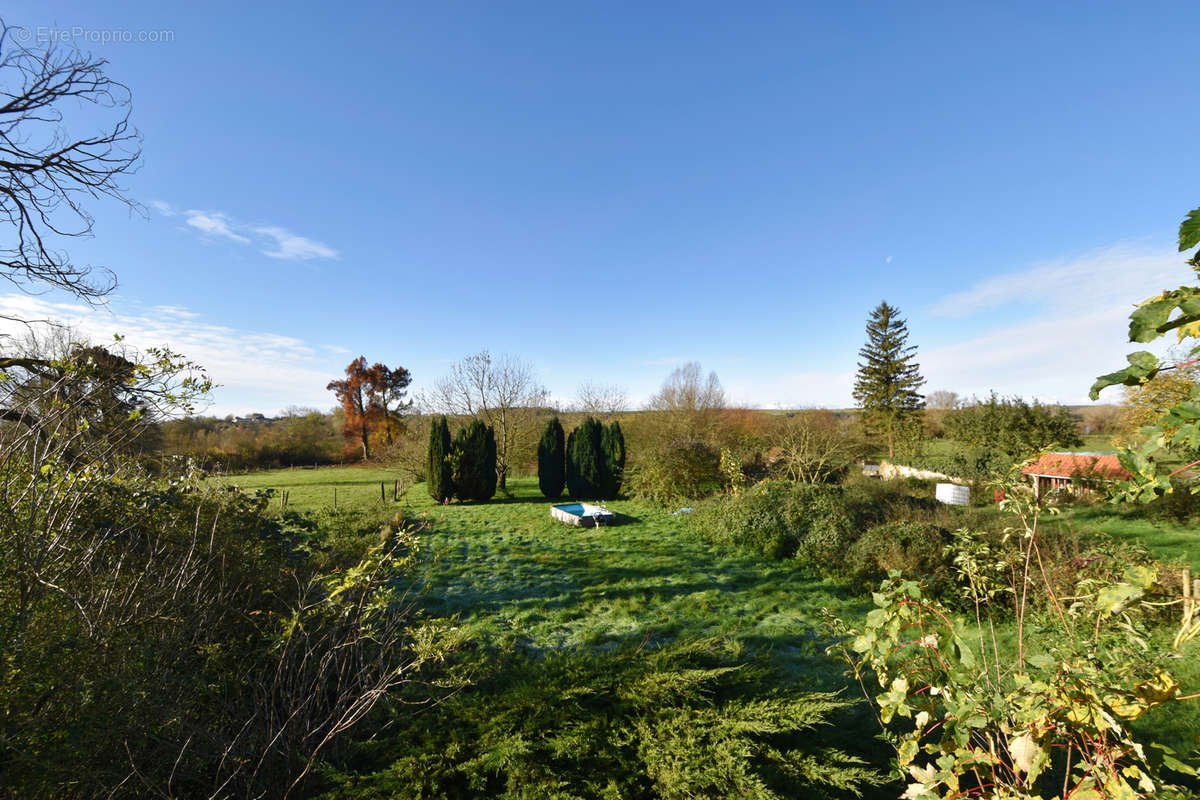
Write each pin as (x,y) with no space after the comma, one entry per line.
(684,469)
(1012,426)
(551,457)
(777,519)
(689,720)
(976,464)
(474,462)
(439,476)
(916,549)
(299,437)
(182,639)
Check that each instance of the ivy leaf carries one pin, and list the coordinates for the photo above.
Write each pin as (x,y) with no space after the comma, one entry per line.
(1189,230)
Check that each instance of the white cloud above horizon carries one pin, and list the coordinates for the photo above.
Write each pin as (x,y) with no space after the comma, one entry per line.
(1073,328)
(254,370)
(272,241)
(1063,323)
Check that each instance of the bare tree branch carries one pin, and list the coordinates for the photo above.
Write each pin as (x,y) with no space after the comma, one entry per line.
(46,173)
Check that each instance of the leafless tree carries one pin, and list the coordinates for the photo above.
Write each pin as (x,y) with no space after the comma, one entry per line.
(503,391)
(686,389)
(814,446)
(47,172)
(689,404)
(600,399)
(941,400)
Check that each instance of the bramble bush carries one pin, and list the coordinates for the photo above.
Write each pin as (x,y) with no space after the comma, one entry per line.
(1047,714)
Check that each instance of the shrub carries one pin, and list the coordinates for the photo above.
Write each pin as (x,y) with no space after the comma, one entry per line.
(551,456)
(440,475)
(913,548)
(781,519)
(612,446)
(683,469)
(1012,426)
(585,475)
(475,462)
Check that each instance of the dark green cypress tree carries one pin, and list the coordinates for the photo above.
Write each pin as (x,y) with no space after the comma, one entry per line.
(552,460)
(572,467)
(888,377)
(588,456)
(612,448)
(489,474)
(440,472)
(475,462)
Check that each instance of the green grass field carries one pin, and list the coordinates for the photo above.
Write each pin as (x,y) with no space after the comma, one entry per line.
(508,569)
(513,575)
(313,489)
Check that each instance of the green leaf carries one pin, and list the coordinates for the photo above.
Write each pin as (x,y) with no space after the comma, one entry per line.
(966,655)
(1144,323)
(1189,230)
(1141,576)
(1114,599)
(1143,365)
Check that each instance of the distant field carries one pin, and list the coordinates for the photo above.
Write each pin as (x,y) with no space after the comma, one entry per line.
(1094,443)
(314,489)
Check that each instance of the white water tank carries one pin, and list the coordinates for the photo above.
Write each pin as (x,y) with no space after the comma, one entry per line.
(953,495)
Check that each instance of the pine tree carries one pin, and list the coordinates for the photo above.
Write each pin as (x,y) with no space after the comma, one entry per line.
(585,456)
(612,447)
(439,469)
(552,460)
(888,377)
(475,462)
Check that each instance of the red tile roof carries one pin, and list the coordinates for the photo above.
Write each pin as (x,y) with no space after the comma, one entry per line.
(1069,465)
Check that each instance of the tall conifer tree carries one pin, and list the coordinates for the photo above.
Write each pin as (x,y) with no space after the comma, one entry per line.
(585,458)
(475,462)
(552,460)
(440,475)
(888,376)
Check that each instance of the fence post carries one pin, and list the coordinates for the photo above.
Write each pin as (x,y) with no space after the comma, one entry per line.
(1188,598)
(335,497)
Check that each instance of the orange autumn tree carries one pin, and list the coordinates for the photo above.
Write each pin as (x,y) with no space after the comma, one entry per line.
(370,397)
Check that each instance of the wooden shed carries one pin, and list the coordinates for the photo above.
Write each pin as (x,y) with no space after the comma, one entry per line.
(1073,472)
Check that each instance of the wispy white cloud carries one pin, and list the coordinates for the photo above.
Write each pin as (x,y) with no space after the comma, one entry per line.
(292,247)
(1073,328)
(273,241)
(1123,273)
(216,224)
(255,370)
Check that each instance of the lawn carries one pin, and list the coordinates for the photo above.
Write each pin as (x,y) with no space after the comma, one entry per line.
(1166,541)
(509,570)
(515,577)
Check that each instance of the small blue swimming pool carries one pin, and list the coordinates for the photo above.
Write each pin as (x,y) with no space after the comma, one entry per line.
(582,514)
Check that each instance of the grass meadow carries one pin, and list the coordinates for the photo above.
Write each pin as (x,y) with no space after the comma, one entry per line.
(514,577)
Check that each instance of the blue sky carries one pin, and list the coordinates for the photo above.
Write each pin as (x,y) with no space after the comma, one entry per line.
(608,190)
